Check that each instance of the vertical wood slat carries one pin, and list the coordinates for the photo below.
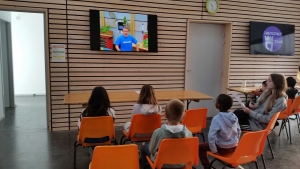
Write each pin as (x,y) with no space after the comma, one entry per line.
(69,25)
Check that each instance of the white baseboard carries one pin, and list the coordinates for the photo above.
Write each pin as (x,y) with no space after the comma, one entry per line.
(40,94)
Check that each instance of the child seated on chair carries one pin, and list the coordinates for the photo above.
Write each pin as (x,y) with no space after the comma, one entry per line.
(258,92)
(224,132)
(291,91)
(98,105)
(173,129)
(147,104)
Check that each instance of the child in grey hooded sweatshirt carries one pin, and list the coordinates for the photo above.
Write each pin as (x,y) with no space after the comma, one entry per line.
(224,132)
(173,129)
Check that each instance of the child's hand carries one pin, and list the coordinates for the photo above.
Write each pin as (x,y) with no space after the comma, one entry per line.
(251,105)
(246,110)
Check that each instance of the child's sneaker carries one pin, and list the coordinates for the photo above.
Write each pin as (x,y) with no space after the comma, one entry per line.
(239,167)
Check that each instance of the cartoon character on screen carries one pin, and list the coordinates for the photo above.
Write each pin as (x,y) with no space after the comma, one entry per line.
(269,41)
(124,42)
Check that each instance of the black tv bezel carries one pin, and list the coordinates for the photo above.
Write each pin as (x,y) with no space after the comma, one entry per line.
(270,23)
(95,32)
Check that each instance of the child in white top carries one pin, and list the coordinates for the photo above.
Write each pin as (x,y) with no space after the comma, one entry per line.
(98,105)
(147,104)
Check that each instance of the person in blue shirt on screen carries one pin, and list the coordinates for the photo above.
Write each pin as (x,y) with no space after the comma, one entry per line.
(124,42)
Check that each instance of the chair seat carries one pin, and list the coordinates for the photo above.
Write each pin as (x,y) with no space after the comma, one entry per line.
(247,131)
(91,144)
(195,130)
(226,159)
(150,162)
(138,137)
(282,116)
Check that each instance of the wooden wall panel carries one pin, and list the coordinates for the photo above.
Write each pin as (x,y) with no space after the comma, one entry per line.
(69,24)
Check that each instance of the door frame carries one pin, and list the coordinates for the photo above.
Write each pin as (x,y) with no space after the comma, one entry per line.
(47,57)
(226,57)
(9,63)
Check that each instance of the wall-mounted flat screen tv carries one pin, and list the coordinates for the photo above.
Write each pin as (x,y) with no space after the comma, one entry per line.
(122,32)
(272,38)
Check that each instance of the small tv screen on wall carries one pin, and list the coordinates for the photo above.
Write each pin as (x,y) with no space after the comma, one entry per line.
(272,38)
(122,32)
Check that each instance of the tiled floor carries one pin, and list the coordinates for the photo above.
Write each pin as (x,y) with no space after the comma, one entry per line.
(26,143)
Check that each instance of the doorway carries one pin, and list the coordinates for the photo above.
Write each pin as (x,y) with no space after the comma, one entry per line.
(207,62)
(24,68)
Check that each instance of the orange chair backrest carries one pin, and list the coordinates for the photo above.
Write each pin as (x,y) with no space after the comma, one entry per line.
(115,157)
(272,121)
(96,127)
(195,118)
(248,147)
(177,151)
(295,108)
(268,129)
(144,125)
(288,111)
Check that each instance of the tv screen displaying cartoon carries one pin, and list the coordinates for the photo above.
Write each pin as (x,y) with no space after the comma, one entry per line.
(272,38)
(123,32)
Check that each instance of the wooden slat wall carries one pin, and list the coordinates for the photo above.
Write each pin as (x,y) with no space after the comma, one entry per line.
(69,25)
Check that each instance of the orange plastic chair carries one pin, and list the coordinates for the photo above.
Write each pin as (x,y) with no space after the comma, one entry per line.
(186,151)
(284,117)
(246,151)
(95,131)
(266,137)
(142,128)
(195,121)
(115,157)
(296,110)
(269,128)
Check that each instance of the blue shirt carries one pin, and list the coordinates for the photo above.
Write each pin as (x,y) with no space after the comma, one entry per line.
(125,43)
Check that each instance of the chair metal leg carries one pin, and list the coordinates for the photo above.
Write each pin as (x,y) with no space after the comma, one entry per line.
(210,165)
(297,117)
(75,148)
(290,130)
(263,160)
(270,147)
(203,136)
(115,141)
(256,164)
(287,134)
(281,127)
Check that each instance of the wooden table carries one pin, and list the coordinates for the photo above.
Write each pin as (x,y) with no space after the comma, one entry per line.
(245,90)
(132,96)
(141,46)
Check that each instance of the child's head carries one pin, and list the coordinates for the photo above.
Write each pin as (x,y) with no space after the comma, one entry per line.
(147,95)
(98,103)
(291,82)
(174,111)
(223,102)
(264,85)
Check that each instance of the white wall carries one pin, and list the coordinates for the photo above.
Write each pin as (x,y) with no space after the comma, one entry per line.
(28,53)
(5,16)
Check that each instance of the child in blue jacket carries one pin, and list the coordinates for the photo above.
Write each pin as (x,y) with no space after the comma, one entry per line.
(224,132)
